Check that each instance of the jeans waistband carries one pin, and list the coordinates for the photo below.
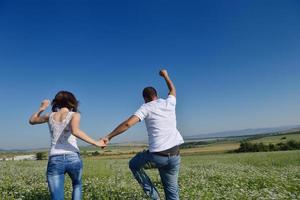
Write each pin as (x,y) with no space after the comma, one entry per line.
(174,151)
(65,155)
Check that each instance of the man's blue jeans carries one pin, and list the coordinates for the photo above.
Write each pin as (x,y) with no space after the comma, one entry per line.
(168,169)
(58,165)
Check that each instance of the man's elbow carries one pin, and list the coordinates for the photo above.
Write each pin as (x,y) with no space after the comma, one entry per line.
(127,125)
(173,92)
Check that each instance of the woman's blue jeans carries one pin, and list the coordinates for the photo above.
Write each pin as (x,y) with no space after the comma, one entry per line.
(58,166)
(168,167)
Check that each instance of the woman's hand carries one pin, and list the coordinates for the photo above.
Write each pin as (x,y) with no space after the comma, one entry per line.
(44,105)
(36,117)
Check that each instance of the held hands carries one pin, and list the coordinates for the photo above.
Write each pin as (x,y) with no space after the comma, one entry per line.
(44,105)
(103,142)
(163,73)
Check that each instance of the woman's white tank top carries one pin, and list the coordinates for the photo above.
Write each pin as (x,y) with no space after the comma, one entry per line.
(62,140)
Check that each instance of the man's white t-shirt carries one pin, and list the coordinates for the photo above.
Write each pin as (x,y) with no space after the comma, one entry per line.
(160,119)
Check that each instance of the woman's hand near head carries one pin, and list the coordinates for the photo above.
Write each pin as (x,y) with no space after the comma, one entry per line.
(37,118)
(45,104)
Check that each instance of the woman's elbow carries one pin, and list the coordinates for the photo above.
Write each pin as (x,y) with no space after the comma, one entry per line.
(32,122)
(75,132)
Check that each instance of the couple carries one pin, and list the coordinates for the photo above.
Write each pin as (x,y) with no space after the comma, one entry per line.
(164,140)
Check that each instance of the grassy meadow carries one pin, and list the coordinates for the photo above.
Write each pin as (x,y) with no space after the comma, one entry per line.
(207,172)
(268,175)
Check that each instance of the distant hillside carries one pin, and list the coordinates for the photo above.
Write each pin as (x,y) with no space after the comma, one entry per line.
(24,150)
(245,132)
(208,136)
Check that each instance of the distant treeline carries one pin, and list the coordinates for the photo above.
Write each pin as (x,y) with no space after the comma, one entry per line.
(258,147)
(189,145)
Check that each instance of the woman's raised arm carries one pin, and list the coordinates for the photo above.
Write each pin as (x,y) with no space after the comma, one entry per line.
(36,117)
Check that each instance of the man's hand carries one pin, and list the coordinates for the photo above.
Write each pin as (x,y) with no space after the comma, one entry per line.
(163,73)
(44,105)
(171,86)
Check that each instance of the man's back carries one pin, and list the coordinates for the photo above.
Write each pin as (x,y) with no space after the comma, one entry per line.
(164,138)
(160,119)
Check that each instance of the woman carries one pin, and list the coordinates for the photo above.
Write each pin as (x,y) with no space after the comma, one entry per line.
(64,154)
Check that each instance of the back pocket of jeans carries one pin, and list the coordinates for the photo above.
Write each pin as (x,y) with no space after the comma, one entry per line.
(55,166)
(75,164)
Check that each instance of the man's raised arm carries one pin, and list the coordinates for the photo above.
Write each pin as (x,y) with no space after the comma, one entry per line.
(171,86)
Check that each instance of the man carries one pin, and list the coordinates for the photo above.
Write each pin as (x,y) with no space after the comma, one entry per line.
(164,140)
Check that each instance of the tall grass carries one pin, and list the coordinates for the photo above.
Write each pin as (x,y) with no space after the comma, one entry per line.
(267,175)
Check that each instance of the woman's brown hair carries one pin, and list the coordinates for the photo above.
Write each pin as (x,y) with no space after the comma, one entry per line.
(64,99)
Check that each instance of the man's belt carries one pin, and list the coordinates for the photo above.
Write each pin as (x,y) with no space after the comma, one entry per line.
(174,151)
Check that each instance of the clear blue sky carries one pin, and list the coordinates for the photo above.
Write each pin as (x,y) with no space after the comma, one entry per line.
(235,63)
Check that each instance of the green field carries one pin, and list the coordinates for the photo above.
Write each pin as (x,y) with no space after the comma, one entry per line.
(207,172)
(268,175)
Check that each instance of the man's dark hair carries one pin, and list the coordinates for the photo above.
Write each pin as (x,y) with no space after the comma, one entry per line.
(149,93)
